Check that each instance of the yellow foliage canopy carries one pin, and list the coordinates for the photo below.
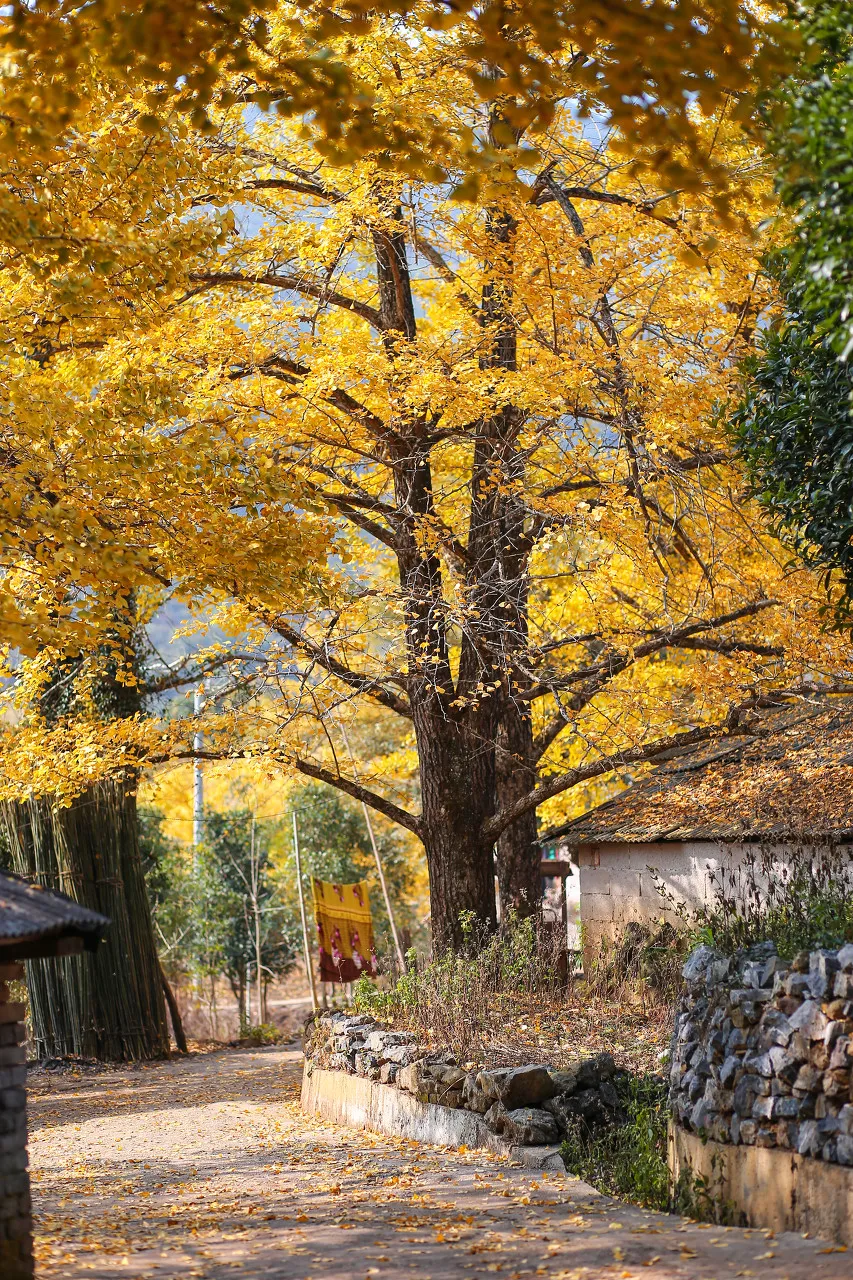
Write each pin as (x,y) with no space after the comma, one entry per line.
(501,413)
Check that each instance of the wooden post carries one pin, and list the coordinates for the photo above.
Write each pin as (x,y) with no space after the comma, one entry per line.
(308,965)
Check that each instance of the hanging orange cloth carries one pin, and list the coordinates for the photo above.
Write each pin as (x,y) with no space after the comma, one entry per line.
(344,931)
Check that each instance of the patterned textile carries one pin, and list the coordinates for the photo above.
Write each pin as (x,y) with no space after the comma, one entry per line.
(344,931)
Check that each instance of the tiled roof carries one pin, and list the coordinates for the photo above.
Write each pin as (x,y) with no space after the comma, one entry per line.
(29,912)
(791,775)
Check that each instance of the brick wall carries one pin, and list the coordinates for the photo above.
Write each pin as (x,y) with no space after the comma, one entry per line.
(16,1225)
(617,885)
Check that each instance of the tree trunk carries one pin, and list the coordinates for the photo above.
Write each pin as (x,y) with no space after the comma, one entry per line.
(457,790)
(519,855)
(109,1004)
(174,1014)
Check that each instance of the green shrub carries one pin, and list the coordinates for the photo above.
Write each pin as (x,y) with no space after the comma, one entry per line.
(255,1036)
(627,1159)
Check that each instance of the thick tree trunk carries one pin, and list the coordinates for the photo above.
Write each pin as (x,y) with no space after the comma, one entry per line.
(107,1005)
(457,789)
(519,881)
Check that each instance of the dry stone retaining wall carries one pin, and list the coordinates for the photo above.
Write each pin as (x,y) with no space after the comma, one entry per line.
(762,1051)
(532,1105)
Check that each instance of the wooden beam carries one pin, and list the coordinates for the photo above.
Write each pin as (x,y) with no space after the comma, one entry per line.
(555,868)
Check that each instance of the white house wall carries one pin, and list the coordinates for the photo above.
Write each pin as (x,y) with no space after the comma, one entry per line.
(617,885)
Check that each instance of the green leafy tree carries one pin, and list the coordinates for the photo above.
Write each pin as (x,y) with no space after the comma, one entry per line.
(794,428)
(257,938)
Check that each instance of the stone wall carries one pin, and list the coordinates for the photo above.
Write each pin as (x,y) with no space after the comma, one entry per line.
(16,1247)
(762,1051)
(532,1105)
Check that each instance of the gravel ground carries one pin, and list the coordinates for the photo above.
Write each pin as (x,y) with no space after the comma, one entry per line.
(206,1167)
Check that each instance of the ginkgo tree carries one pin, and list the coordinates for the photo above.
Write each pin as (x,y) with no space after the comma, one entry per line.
(502,416)
(643,61)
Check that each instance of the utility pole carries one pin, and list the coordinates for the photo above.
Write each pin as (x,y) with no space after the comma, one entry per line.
(401,959)
(309,969)
(198,781)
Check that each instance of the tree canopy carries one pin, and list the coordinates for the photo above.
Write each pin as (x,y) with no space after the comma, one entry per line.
(794,428)
(641,62)
(457,466)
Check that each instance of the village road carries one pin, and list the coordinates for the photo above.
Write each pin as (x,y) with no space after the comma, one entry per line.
(206,1168)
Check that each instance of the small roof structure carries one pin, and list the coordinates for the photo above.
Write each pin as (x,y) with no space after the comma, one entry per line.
(789,775)
(35,921)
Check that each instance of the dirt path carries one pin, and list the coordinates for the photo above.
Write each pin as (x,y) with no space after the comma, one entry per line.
(206,1168)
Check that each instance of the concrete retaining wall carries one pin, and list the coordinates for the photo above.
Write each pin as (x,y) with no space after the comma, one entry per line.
(771,1188)
(382,1108)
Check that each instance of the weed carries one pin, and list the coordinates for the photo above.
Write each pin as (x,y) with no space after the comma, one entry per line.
(464,1000)
(626,1159)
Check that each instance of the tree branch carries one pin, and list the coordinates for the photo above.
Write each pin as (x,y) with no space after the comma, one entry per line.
(597,768)
(354,679)
(308,288)
(614,664)
(390,810)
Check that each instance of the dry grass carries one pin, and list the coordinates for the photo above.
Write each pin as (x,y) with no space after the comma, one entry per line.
(509,1000)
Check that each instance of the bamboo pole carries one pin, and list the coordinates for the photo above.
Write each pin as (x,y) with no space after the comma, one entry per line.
(401,959)
(198,781)
(308,966)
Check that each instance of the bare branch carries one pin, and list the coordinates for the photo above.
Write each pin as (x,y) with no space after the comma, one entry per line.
(390,810)
(298,284)
(373,688)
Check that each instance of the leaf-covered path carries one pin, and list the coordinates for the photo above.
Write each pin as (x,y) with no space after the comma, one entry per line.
(207,1168)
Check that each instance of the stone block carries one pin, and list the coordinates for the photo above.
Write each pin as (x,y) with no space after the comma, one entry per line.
(809,1020)
(597,908)
(13,1099)
(763,1108)
(530,1127)
(729,1070)
(695,969)
(527,1087)
(747,1132)
(410,1077)
(809,1140)
(13,1055)
(845,957)
(596,880)
(823,965)
(495,1117)
(473,1097)
(491,1083)
(12,1013)
(842,988)
(807,1080)
(566,1081)
(626,886)
(403,1054)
